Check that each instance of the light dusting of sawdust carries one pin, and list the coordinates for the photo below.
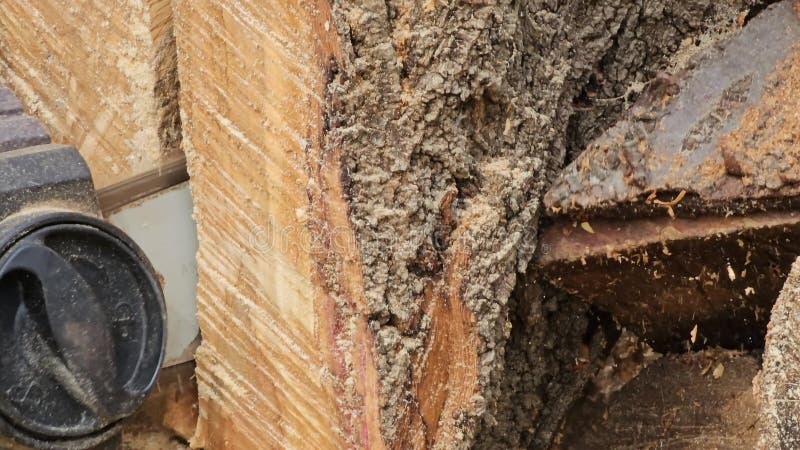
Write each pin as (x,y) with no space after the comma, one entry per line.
(727,21)
(766,146)
(110,90)
(153,71)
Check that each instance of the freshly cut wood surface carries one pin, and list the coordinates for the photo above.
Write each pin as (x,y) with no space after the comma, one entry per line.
(99,75)
(285,362)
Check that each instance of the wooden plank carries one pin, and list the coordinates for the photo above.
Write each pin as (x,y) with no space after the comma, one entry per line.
(99,75)
(284,362)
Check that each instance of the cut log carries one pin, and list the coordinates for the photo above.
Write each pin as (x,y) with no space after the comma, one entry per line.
(286,359)
(99,75)
(367,180)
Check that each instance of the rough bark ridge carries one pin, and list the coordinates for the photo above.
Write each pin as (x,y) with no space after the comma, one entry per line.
(555,347)
(777,387)
(452,118)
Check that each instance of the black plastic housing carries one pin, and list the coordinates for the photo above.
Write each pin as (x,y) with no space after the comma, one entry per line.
(82,314)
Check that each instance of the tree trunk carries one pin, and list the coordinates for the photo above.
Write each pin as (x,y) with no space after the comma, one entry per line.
(367,178)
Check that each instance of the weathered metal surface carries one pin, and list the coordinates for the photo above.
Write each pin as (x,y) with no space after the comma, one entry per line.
(9,104)
(21,131)
(722,138)
(16,129)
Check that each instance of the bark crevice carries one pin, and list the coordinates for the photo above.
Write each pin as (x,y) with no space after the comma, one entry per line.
(453,118)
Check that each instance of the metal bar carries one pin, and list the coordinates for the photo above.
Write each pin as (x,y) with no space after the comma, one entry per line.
(129,191)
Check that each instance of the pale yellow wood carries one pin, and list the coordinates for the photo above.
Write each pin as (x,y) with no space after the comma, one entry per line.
(286,357)
(99,74)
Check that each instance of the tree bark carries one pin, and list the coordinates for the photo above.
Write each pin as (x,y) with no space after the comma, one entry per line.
(367,178)
(777,386)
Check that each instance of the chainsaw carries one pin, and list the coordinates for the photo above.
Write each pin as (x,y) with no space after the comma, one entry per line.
(83,278)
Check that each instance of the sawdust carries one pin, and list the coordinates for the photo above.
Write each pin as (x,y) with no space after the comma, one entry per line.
(729,19)
(671,145)
(111,90)
(696,28)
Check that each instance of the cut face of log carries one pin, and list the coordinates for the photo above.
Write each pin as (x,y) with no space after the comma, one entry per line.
(695,400)
(99,75)
(286,360)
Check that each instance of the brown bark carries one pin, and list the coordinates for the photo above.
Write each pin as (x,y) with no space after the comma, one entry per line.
(367,179)
(777,386)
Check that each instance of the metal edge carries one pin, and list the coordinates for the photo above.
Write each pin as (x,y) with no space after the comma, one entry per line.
(118,195)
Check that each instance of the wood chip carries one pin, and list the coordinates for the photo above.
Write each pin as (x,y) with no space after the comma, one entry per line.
(718,371)
(731,273)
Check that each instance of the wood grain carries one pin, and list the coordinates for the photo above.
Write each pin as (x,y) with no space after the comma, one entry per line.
(286,357)
(99,75)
